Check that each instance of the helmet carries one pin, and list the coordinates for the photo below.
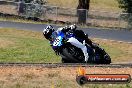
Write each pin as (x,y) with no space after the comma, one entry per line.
(47,32)
(73,26)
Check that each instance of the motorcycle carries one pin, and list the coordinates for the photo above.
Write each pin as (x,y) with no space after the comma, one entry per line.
(73,54)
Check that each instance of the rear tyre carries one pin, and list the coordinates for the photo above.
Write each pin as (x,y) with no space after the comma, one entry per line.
(65,60)
(103,57)
(107,59)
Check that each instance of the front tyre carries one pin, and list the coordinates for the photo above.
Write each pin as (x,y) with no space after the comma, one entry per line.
(69,57)
(71,54)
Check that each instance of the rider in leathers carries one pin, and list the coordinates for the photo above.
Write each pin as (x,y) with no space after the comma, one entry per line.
(49,32)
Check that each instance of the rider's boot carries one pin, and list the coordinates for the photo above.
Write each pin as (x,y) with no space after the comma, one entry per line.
(85,52)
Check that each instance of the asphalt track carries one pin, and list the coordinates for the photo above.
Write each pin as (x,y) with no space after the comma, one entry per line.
(56,65)
(118,35)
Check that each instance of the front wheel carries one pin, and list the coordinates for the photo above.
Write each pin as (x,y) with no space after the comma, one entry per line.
(69,58)
(71,54)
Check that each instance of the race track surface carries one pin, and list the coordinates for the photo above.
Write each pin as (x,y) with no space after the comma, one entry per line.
(119,35)
(56,65)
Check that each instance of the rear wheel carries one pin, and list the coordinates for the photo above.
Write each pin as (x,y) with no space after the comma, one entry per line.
(65,60)
(107,59)
(103,57)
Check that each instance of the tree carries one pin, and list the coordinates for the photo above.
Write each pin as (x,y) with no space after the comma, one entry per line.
(83,4)
(82,10)
(126,5)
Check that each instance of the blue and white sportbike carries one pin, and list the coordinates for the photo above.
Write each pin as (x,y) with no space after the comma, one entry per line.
(61,44)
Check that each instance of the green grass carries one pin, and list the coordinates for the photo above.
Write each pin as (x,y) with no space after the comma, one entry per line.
(27,47)
(113,51)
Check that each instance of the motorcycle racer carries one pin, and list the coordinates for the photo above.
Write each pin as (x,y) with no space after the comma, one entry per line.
(80,42)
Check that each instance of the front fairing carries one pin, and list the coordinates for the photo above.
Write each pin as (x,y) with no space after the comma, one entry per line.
(57,39)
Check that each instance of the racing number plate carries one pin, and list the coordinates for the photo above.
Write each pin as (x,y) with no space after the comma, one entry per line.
(57,41)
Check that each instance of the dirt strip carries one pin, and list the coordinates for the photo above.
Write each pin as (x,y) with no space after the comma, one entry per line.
(39,77)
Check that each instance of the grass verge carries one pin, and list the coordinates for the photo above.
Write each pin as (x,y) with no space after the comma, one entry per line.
(29,46)
(25,46)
